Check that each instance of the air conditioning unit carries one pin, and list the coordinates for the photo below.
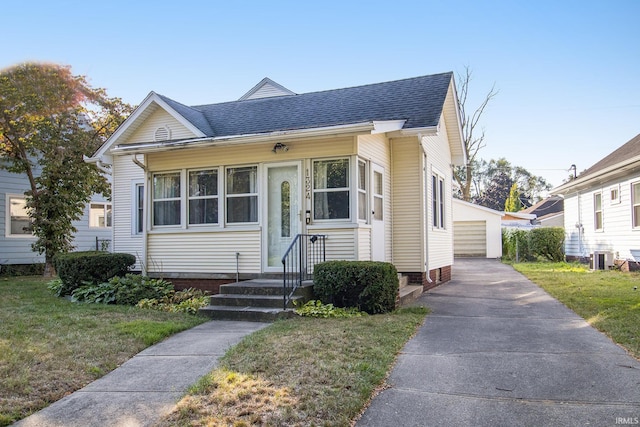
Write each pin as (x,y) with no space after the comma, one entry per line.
(601,260)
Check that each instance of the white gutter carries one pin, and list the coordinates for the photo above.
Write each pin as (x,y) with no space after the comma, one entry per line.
(99,164)
(242,139)
(603,175)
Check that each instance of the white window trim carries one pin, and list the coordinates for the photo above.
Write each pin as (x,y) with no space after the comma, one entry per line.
(104,208)
(368,194)
(181,198)
(617,200)
(634,203)
(351,172)
(440,197)
(595,222)
(226,221)
(134,207)
(7,230)
(221,181)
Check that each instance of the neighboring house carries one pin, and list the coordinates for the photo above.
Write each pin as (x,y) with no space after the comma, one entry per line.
(15,241)
(549,212)
(477,230)
(200,191)
(602,210)
(518,220)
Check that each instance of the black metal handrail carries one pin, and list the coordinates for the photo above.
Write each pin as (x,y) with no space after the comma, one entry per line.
(304,252)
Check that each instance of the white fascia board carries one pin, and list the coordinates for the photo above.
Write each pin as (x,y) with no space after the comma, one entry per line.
(243,139)
(151,98)
(619,169)
(420,132)
(384,126)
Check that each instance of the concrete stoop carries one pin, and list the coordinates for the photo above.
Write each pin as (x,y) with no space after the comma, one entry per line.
(258,300)
(408,293)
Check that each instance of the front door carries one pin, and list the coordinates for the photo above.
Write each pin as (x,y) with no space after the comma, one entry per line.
(378,241)
(282,212)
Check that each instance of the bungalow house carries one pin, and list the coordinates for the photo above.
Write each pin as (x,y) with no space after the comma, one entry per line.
(219,191)
(602,210)
(93,229)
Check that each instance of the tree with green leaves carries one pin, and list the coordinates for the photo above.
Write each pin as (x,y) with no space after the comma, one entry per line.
(513,203)
(49,120)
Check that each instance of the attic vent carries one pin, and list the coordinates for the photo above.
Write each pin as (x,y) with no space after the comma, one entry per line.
(162,134)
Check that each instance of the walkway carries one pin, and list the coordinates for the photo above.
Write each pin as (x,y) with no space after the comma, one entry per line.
(499,351)
(146,387)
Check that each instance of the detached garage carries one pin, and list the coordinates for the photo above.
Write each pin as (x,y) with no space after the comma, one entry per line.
(476,230)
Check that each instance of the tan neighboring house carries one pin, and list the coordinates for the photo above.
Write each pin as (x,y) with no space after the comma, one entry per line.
(219,190)
(602,210)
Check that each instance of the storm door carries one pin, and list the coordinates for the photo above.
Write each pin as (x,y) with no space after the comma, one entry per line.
(282,212)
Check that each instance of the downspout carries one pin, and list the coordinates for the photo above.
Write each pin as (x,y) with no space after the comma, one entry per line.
(425,220)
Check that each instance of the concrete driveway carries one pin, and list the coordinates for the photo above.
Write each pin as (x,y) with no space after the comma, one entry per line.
(499,351)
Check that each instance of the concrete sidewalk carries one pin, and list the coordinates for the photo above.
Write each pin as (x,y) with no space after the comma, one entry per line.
(499,351)
(146,387)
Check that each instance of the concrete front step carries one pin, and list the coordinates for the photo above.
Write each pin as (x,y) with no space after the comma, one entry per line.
(264,287)
(246,300)
(251,314)
(409,293)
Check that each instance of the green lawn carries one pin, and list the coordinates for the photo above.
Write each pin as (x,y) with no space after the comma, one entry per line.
(606,299)
(301,372)
(50,347)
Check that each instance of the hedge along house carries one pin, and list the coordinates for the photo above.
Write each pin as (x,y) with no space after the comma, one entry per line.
(211,191)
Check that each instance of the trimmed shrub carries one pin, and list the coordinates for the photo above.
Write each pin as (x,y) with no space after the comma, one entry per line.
(92,267)
(548,242)
(366,285)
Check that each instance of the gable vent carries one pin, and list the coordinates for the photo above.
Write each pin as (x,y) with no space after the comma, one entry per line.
(162,134)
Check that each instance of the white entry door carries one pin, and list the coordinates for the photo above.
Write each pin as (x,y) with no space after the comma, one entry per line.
(378,243)
(282,212)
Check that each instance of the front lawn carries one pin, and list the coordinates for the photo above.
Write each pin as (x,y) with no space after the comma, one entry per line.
(608,300)
(300,372)
(50,347)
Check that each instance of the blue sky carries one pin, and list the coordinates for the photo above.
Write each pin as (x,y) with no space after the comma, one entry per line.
(567,71)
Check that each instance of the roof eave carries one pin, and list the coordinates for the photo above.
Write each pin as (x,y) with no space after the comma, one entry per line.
(611,172)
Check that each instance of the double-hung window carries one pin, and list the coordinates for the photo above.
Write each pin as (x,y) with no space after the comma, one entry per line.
(100,215)
(437,200)
(362,191)
(597,211)
(19,221)
(203,196)
(635,200)
(166,199)
(331,189)
(242,194)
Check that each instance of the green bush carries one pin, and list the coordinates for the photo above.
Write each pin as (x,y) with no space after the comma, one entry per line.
(127,290)
(530,245)
(548,242)
(316,308)
(366,285)
(186,301)
(76,269)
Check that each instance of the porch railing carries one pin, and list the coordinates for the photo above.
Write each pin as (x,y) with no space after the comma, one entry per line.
(304,252)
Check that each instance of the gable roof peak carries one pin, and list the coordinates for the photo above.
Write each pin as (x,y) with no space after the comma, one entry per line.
(266,88)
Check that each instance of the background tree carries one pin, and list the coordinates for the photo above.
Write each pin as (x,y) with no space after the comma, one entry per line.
(513,203)
(473,138)
(49,119)
(497,192)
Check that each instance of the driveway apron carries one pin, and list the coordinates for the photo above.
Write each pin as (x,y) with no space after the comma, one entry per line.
(497,350)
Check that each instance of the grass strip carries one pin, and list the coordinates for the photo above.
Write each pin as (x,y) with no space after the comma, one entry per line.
(300,372)
(50,347)
(607,300)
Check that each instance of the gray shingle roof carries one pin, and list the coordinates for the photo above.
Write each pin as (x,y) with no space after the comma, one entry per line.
(627,151)
(417,100)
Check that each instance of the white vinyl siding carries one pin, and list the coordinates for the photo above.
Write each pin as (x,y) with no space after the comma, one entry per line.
(408,238)
(204,252)
(618,234)
(377,149)
(127,176)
